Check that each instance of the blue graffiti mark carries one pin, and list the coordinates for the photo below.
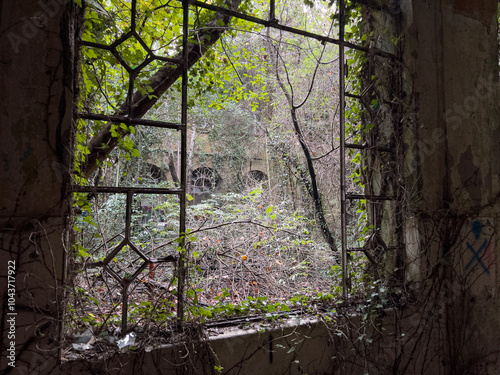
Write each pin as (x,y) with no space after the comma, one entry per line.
(477,256)
(477,228)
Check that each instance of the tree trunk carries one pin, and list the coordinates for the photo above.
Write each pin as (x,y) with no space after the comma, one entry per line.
(312,182)
(173,170)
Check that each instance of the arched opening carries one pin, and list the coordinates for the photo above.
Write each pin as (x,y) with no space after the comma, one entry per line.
(204,182)
(255,178)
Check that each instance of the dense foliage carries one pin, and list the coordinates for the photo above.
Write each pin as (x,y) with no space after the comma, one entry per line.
(259,239)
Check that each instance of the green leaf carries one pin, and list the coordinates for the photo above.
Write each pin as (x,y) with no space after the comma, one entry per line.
(91,53)
(284,307)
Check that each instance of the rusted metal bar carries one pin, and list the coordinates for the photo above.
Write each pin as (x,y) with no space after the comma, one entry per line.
(87,43)
(124,308)
(272,11)
(131,75)
(370,197)
(125,190)
(182,214)
(130,93)
(362,249)
(128,215)
(354,96)
(112,48)
(129,120)
(267,23)
(274,24)
(343,217)
(128,219)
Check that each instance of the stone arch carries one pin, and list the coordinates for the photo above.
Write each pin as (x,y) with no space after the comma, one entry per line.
(204,181)
(155,172)
(255,177)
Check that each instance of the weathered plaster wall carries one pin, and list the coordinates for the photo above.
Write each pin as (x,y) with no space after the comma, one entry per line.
(35,120)
(452,176)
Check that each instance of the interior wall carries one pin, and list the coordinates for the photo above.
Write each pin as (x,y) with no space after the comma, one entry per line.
(452,177)
(36,88)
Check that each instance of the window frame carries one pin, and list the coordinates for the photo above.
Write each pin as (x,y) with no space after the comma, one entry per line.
(182,190)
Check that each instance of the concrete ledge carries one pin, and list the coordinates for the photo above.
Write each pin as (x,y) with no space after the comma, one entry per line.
(297,346)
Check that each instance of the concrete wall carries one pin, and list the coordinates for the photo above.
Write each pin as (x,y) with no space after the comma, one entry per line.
(452,176)
(296,347)
(35,120)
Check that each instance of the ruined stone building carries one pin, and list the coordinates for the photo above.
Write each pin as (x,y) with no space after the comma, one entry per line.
(450,131)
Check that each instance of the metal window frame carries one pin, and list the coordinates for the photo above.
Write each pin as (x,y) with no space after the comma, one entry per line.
(271,22)
(130,191)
